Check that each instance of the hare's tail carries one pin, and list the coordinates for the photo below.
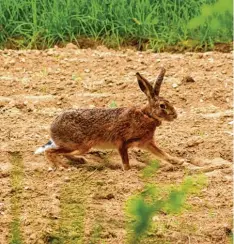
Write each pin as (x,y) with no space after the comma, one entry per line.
(48,145)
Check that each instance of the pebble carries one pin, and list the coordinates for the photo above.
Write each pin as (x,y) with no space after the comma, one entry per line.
(50,169)
(50,52)
(211,60)
(33,236)
(155,218)
(71,46)
(66,179)
(175,85)
(188,79)
(109,196)
(194,142)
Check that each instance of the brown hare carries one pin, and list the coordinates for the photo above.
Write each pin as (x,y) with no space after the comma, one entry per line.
(77,131)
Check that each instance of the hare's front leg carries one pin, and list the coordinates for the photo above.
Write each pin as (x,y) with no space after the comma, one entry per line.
(163,155)
(123,151)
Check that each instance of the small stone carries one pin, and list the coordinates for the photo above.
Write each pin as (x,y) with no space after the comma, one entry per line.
(194,142)
(110,181)
(50,169)
(20,104)
(12,61)
(100,183)
(33,236)
(109,196)
(188,79)
(6,66)
(71,46)
(175,85)
(66,179)
(155,218)
(87,70)
(62,78)
(50,52)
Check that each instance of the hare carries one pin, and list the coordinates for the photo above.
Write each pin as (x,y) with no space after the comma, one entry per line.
(75,132)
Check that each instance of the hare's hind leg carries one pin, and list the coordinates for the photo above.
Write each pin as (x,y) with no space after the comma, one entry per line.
(52,155)
(163,155)
(72,158)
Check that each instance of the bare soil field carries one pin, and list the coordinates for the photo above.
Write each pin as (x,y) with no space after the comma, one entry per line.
(85,203)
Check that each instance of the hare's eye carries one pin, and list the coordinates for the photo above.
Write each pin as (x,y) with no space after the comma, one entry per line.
(162,105)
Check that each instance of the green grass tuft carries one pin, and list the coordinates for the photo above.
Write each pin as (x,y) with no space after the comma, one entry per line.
(17,187)
(70,227)
(153,199)
(146,24)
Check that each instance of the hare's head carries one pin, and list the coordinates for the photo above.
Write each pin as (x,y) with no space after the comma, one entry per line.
(159,108)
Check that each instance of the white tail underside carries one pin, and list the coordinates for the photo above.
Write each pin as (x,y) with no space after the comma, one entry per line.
(47,146)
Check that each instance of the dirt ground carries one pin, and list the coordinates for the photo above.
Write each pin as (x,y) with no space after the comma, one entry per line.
(36,85)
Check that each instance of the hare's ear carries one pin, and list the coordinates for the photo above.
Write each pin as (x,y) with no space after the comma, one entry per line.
(158,82)
(145,86)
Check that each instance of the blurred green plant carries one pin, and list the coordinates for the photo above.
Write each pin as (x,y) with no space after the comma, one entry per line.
(16,177)
(95,236)
(215,21)
(150,170)
(70,226)
(146,24)
(153,199)
(113,104)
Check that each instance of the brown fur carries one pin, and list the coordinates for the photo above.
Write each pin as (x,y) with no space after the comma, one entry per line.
(77,131)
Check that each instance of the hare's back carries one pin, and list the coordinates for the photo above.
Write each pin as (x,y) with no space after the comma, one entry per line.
(87,117)
(83,123)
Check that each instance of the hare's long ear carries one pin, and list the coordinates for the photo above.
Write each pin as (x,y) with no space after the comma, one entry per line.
(145,86)
(158,82)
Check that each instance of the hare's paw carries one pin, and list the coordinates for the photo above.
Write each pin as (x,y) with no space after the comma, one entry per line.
(74,159)
(62,165)
(126,167)
(175,160)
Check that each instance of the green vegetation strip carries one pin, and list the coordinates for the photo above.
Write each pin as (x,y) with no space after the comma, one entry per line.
(155,198)
(147,24)
(17,188)
(70,227)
